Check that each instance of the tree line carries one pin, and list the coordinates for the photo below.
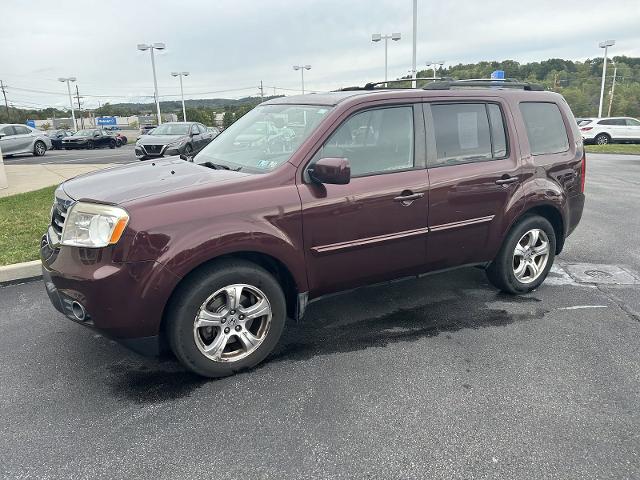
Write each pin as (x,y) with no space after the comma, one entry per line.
(577,81)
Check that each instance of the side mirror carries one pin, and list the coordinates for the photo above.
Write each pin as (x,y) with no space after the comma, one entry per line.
(335,171)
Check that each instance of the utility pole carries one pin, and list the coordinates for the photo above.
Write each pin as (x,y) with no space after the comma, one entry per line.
(6,105)
(78,97)
(613,87)
(606,44)
(261,92)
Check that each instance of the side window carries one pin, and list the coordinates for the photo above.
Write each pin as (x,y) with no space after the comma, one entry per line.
(8,131)
(195,129)
(545,128)
(498,136)
(374,141)
(632,122)
(20,130)
(462,133)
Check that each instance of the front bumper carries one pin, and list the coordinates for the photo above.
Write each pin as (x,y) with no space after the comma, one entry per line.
(143,152)
(74,144)
(125,301)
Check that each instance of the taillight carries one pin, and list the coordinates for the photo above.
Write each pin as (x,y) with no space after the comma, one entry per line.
(586,129)
(583,171)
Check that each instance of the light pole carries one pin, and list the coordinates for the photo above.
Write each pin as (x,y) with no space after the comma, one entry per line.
(376,37)
(302,68)
(434,64)
(613,86)
(415,43)
(153,46)
(181,74)
(73,113)
(606,44)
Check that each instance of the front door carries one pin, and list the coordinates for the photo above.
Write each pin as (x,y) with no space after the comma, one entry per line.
(373,228)
(473,173)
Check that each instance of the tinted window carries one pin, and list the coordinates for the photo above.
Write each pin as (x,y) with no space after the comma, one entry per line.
(498,137)
(462,133)
(612,121)
(545,128)
(374,141)
(632,122)
(20,130)
(7,131)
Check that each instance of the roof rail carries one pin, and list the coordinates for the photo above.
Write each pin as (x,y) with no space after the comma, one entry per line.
(483,82)
(380,85)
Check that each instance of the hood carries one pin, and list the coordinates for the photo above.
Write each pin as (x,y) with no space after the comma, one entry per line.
(159,139)
(128,182)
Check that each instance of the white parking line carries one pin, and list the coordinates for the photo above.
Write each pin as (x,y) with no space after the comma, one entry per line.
(579,307)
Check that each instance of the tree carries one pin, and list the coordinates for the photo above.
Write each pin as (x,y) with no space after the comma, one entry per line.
(45,126)
(227,119)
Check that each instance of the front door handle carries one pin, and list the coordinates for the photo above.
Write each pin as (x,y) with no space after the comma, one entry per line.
(506,179)
(407,197)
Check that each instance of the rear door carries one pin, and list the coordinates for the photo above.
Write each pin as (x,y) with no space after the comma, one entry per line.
(24,139)
(375,227)
(474,172)
(633,129)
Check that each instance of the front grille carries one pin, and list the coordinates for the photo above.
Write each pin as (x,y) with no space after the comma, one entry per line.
(153,148)
(59,211)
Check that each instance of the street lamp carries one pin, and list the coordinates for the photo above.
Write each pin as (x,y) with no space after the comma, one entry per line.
(606,44)
(181,74)
(153,46)
(434,64)
(73,113)
(376,37)
(302,68)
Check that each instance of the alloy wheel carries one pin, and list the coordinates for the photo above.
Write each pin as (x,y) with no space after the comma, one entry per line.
(232,323)
(531,255)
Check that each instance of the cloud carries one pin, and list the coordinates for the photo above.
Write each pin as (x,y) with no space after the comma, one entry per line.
(235,44)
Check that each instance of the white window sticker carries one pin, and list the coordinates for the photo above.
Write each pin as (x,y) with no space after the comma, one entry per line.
(468,130)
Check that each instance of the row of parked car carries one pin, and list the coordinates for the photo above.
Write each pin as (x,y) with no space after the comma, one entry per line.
(603,131)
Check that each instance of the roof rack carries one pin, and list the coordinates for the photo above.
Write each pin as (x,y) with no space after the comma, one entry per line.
(380,85)
(483,83)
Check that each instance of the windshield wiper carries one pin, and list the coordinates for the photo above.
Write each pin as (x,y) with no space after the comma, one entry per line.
(219,166)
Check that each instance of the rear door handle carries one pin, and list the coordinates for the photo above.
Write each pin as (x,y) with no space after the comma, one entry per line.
(407,198)
(506,180)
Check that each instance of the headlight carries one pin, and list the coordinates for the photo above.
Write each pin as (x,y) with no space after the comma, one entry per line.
(93,225)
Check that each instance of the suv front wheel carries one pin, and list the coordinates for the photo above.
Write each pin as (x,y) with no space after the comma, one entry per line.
(526,256)
(226,318)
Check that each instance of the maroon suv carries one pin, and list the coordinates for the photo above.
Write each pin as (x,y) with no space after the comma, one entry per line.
(309,195)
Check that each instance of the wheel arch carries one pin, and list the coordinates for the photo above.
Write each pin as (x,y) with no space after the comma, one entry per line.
(553,214)
(271,264)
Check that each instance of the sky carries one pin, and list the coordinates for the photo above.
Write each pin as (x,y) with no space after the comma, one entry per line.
(229,46)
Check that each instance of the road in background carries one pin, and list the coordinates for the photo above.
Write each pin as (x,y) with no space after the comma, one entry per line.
(124,154)
(440,377)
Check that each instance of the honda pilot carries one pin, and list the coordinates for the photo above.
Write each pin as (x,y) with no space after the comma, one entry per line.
(309,195)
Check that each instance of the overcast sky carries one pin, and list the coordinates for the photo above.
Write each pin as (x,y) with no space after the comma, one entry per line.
(234,44)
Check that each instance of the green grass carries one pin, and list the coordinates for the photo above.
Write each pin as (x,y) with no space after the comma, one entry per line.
(24,218)
(620,148)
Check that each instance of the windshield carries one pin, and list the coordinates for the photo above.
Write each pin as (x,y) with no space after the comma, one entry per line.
(170,129)
(83,133)
(264,138)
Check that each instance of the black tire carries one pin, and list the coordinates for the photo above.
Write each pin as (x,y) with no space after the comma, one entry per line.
(39,148)
(118,142)
(113,144)
(196,289)
(90,145)
(501,271)
(602,139)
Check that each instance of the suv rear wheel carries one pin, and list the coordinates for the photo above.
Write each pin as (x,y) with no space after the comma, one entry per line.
(226,318)
(602,139)
(526,256)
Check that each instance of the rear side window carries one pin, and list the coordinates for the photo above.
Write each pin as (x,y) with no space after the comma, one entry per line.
(632,122)
(545,128)
(468,132)
(613,121)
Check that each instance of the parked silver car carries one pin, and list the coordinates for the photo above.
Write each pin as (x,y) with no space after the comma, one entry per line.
(16,138)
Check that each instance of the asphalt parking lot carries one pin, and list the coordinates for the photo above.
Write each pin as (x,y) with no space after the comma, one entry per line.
(439,377)
(124,154)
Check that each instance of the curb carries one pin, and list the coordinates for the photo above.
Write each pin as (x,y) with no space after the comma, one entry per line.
(20,272)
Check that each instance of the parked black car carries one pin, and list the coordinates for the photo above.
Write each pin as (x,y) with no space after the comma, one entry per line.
(90,139)
(56,137)
(173,138)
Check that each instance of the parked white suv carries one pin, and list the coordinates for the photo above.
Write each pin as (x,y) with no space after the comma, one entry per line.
(609,130)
